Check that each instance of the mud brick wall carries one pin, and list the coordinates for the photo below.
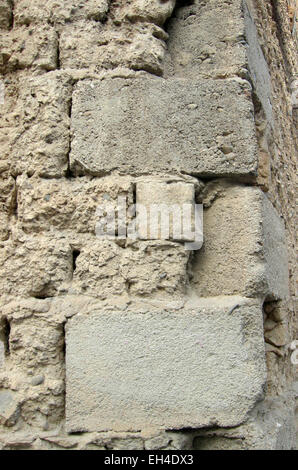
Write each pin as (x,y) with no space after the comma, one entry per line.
(123,343)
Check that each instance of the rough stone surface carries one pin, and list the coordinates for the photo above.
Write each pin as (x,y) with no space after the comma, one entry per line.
(142,51)
(258,67)
(8,408)
(40,144)
(207,39)
(25,48)
(198,127)
(64,205)
(34,266)
(2,354)
(174,196)
(105,269)
(27,12)
(271,427)
(226,106)
(158,372)
(244,249)
(5,14)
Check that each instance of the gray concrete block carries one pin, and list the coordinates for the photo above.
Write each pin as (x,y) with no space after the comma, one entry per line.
(164,368)
(201,127)
(258,67)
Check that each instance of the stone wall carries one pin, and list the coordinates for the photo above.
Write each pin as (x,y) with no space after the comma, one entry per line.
(124,343)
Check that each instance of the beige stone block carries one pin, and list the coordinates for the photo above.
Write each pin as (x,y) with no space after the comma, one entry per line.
(156,268)
(104,269)
(161,206)
(207,39)
(136,48)
(29,47)
(278,336)
(150,10)
(244,249)
(5,14)
(41,142)
(97,270)
(203,128)
(34,266)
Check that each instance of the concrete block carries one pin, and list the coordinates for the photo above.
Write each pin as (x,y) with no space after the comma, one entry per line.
(165,368)
(202,128)
(244,249)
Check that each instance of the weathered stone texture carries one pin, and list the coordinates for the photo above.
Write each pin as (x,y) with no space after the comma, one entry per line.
(278,38)
(61,11)
(34,266)
(138,49)
(158,367)
(34,367)
(67,205)
(258,68)
(40,143)
(204,128)
(270,427)
(159,339)
(113,35)
(103,269)
(5,14)
(24,48)
(244,249)
(207,39)
(174,195)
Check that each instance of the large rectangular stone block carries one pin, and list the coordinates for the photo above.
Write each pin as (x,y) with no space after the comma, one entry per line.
(133,125)
(167,367)
(206,39)
(245,249)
